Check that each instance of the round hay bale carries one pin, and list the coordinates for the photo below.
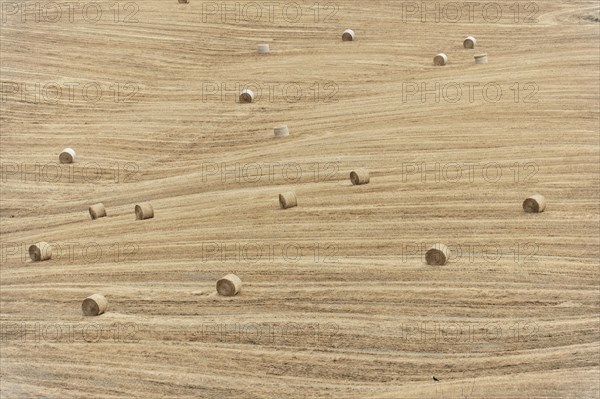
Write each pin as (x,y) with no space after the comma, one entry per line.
(282,131)
(67,156)
(247,96)
(359,176)
(440,60)
(348,35)
(481,59)
(144,211)
(437,255)
(229,285)
(94,305)
(97,211)
(470,42)
(288,200)
(184,1)
(534,204)
(40,251)
(263,49)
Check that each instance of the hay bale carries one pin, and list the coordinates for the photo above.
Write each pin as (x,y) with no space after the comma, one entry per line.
(229,285)
(470,42)
(359,176)
(288,200)
(481,59)
(184,1)
(67,156)
(348,35)
(534,204)
(40,251)
(263,49)
(440,60)
(247,96)
(94,305)
(97,211)
(144,211)
(282,131)
(437,255)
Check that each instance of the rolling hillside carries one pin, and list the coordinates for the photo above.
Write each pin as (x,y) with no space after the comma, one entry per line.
(337,300)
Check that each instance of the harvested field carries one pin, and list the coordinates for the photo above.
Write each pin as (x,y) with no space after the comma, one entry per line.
(337,300)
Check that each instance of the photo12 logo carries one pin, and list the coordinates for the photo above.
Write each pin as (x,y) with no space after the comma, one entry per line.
(51,12)
(54,172)
(469,92)
(72,252)
(470,12)
(68,92)
(270,252)
(520,253)
(289,172)
(469,172)
(463,332)
(285,12)
(292,92)
(63,332)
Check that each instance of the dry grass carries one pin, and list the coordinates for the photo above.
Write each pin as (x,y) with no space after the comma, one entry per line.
(356,303)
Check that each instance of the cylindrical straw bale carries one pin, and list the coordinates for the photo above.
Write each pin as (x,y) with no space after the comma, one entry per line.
(288,200)
(440,60)
(348,35)
(40,251)
(282,131)
(94,305)
(229,285)
(481,59)
(184,1)
(534,204)
(359,176)
(247,96)
(437,255)
(470,42)
(67,156)
(144,211)
(263,48)
(97,211)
